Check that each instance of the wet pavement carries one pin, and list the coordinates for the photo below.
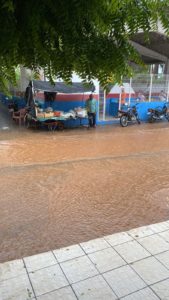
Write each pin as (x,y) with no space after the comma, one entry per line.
(64,188)
(132,265)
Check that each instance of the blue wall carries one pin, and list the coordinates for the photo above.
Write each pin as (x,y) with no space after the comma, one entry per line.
(142,108)
(9,100)
(61,105)
(111,108)
(112,105)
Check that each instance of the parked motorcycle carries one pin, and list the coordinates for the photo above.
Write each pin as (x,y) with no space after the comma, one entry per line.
(157,114)
(129,116)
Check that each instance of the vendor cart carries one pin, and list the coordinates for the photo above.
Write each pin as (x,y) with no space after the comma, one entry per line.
(52,123)
(46,112)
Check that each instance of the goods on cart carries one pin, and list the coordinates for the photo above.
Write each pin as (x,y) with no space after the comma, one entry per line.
(48,109)
(57,113)
(38,115)
(80,112)
(48,115)
(68,115)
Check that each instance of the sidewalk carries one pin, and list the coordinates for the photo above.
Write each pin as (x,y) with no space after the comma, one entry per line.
(132,265)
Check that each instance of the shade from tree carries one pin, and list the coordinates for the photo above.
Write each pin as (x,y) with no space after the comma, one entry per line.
(90,37)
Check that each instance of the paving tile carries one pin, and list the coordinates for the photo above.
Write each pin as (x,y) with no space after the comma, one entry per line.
(18,288)
(154,244)
(131,251)
(78,269)
(150,270)
(165,235)
(106,260)
(12,269)
(39,261)
(48,279)
(162,289)
(163,258)
(124,281)
(67,253)
(94,245)
(118,238)
(145,294)
(159,227)
(140,232)
(94,288)
(65,293)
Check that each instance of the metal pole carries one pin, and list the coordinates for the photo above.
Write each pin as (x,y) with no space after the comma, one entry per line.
(32,89)
(120,99)
(130,90)
(120,93)
(99,101)
(151,81)
(167,87)
(104,105)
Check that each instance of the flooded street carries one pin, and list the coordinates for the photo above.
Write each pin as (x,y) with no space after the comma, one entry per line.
(62,188)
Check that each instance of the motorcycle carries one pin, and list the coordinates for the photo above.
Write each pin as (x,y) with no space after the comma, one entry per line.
(129,116)
(157,114)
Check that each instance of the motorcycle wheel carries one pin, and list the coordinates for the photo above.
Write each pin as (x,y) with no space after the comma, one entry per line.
(151,119)
(138,121)
(167,116)
(123,121)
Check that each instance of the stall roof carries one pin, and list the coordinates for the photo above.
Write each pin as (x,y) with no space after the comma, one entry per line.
(116,89)
(61,87)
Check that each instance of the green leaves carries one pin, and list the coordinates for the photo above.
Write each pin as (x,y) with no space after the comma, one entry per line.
(8,4)
(88,37)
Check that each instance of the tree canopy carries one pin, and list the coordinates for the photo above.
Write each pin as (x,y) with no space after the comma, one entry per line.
(90,37)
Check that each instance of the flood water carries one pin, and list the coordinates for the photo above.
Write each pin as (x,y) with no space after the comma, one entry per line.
(62,188)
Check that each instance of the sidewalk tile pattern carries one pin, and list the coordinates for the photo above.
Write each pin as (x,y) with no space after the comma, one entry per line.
(132,265)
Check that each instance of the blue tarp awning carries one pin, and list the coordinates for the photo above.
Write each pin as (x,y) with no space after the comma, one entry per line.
(61,87)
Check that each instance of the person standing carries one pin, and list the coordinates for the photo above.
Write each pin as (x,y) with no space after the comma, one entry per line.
(141,97)
(91,107)
(162,96)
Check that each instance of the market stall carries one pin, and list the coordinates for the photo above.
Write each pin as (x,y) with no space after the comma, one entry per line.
(49,105)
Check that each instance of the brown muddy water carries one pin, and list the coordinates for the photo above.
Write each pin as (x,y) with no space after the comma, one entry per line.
(62,188)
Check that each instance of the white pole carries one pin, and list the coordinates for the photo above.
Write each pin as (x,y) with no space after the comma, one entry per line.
(33,90)
(168,87)
(104,105)
(151,81)
(98,101)
(120,93)
(120,99)
(130,90)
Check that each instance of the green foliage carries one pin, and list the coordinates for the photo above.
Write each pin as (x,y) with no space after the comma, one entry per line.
(89,37)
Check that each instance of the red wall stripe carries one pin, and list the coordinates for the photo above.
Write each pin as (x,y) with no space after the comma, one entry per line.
(68,97)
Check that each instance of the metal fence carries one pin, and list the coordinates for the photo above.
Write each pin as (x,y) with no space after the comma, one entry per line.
(152,86)
(140,88)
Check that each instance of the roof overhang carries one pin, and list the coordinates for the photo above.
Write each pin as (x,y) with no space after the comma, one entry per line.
(156,50)
(61,87)
(149,56)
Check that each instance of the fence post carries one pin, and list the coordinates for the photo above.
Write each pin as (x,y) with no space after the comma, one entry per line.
(104,105)
(99,101)
(167,81)
(120,99)
(150,90)
(130,90)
